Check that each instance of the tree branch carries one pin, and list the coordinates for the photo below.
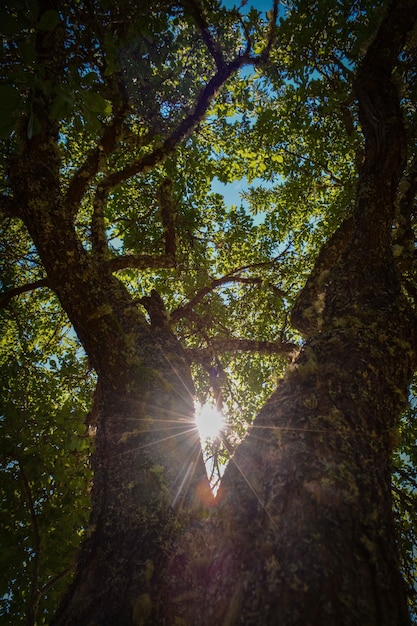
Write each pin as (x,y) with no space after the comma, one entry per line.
(379,109)
(185,127)
(222,345)
(197,11)
(6,296)
(186,309)
(98,229)
(47,586)
(168,217)
(112,134)
(231,277)
(93,162)
(140,261)
(155,307)
(314,163)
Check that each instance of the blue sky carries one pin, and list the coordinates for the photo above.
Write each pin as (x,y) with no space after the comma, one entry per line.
(232,191)
(259,5)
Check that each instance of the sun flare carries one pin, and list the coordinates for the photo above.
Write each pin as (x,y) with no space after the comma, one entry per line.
(210,421)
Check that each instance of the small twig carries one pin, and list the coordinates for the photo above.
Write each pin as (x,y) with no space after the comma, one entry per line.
(47,586)
(332,177)
(341,65)
(232,277)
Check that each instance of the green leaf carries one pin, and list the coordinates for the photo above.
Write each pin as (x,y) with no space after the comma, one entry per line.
(9,24)
(49,20)
(61,106)
(27,52)
(96,103)
(9,102)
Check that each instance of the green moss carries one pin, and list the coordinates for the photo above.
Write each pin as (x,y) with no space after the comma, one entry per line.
(142,609)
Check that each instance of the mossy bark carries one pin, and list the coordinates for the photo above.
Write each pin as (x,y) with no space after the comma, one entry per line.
(304,532)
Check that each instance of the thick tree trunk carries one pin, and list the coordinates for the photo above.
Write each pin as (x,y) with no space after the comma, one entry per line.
(148,478)
(149,475)
(304,532)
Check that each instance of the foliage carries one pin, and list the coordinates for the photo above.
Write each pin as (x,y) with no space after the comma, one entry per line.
(129,80)
(44,470)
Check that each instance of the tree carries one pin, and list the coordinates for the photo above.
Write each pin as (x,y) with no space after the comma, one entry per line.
(116,120)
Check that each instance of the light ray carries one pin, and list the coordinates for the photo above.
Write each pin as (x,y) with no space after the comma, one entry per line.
(255,493)
(210,422)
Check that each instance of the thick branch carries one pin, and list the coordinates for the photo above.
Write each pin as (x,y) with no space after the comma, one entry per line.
(140,261)
(168,217)
(156,310)
(6,296)
(185,127)
(222,345)
(93,163)
(379,108)
(98,229)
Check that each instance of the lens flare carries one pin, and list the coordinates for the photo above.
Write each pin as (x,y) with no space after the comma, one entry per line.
(209,420)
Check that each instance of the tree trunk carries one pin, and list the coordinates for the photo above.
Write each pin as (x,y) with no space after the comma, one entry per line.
(148,478)
(304,533)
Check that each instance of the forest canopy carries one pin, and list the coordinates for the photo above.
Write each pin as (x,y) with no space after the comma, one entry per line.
(190,160)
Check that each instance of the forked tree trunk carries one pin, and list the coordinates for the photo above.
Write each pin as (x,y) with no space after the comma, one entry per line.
(302,531)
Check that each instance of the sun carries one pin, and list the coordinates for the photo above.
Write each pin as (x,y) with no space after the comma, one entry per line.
(210,421)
